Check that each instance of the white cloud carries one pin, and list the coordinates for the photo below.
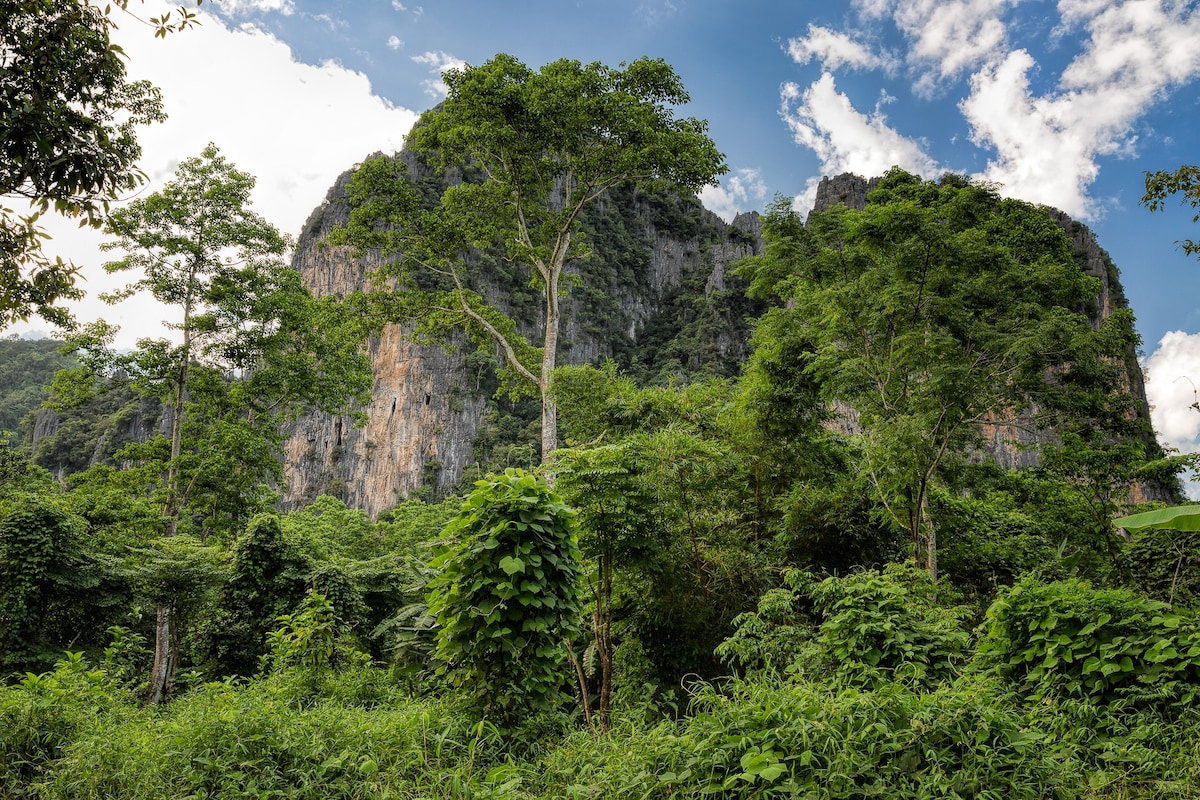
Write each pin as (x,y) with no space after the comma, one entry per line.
(1047,147)
(396,4)
(438,62)
(946,37)
(395,42)
(1172,377)
(284,7)
(1043,147)
(835,50)
(845,140)
(739,192)
(294,126)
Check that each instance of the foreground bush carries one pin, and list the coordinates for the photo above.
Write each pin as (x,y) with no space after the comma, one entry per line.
(71,734)
(43,714)
(1103,645)
(969,739)
(256,740)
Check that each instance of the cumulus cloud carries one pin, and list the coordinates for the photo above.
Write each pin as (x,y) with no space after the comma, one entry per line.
(395,42)
(845,140)
(946,37)
(739,192)
(1172,381)
(438,63)
(1047,146)
(294,126)
(1043,146)
(824,120)
(284,7)
(836,50)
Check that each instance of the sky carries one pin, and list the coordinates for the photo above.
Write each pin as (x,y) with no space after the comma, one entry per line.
(1066,103)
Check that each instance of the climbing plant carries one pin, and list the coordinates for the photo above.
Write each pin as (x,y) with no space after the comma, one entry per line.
(506,596)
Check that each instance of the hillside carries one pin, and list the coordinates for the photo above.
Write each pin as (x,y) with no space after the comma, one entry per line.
(657,297)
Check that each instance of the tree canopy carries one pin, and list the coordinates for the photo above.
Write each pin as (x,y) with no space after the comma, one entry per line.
(69,116)
(544,144)
(935,309)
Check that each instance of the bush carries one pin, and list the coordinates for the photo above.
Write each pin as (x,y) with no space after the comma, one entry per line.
(1102,645)
(883,625)
(804,739)
(250,741)
(860,630)
(43,714)
(506,596)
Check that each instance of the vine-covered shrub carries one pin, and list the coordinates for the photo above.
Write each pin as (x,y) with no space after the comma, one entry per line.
(266,580)
(43,571)
(861,629)
(1098,644)
(506,595)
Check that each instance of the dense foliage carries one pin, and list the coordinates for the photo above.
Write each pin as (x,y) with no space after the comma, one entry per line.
(69,114)
(711,590)
(504,598)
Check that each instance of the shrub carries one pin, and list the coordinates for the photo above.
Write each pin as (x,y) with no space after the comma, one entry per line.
(1100,644)
(869,626)
(506,596)
(42,714)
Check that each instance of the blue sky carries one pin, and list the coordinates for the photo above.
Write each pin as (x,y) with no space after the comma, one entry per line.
(1066,103)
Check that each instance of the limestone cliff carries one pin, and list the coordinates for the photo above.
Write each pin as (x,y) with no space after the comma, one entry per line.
(636,302)
(653,255)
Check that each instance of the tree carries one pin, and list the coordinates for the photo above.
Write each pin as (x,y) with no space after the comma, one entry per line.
(935,309)
(612,495)
(545,144)
(505,598)
(1185,181)
(667,506)
(68,116)
(254,346)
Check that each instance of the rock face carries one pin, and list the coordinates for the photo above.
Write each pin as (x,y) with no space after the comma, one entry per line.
(428,404)
(653,256)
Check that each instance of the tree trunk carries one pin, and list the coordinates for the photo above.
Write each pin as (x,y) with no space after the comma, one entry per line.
(931,562)
(602,625)
(549,356)
(166,656)
(166,645)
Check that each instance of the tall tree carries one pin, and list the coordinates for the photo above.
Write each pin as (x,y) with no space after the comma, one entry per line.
(253,346)
(936,308)
(545,144)
(69,116)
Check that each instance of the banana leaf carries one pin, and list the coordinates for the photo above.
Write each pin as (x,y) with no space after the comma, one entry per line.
(1178,518)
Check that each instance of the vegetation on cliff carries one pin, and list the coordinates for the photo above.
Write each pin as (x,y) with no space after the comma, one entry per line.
(718,596)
